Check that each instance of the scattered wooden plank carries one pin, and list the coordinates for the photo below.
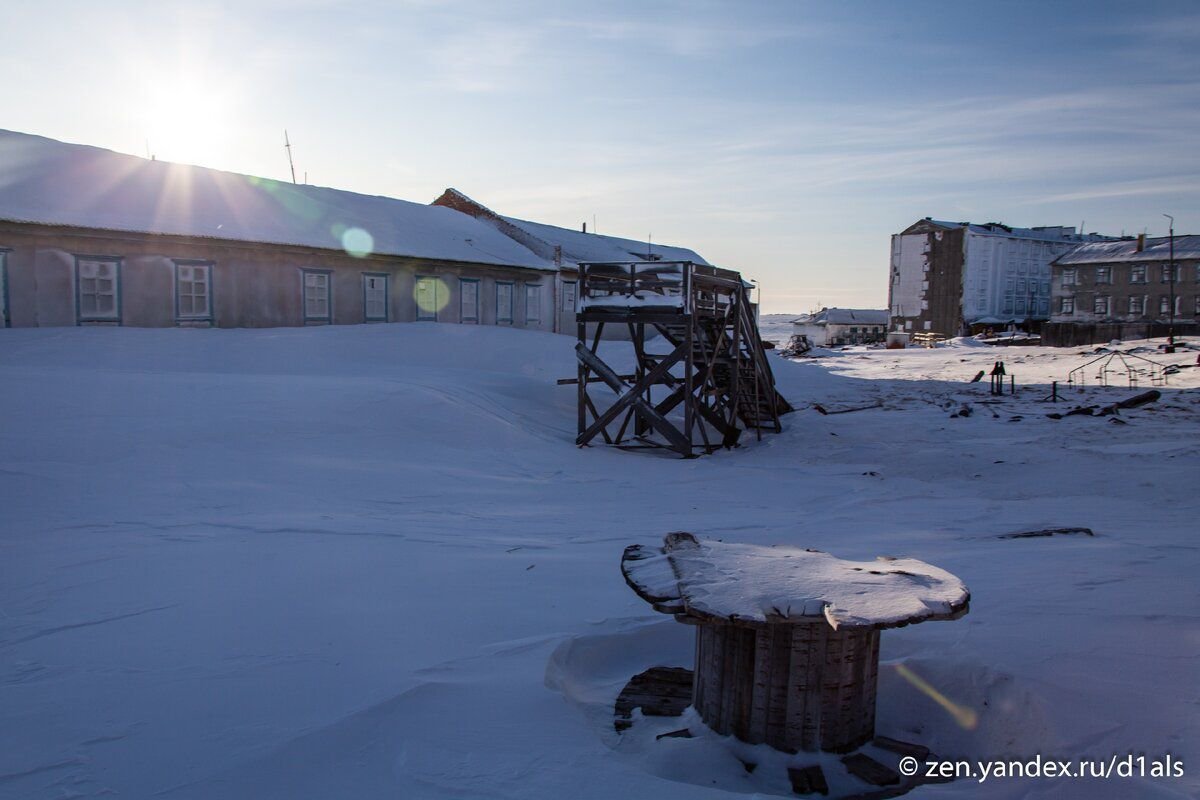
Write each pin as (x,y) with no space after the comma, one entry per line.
(1048,532)
(820,409)
(682,733)
(917,751)
(868,769)
(808,780)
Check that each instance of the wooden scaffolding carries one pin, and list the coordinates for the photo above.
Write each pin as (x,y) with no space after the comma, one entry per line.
(712,382)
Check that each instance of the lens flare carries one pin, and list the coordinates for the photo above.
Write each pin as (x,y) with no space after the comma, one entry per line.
(358,242)
(965,717)
(431,294)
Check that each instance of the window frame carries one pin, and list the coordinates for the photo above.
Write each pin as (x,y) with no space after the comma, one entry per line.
(1107,302)
(574,296)
(1141,304)
(422,314)
(387,300)
(1104,275)
(1165,273)
(117,262)
(462,297)
(1134,271)
(533,320)
(501,319)
(208,315)
(1070,277)
(1066,305)
(328,273)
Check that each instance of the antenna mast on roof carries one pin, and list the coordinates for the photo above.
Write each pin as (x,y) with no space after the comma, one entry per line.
(287,145)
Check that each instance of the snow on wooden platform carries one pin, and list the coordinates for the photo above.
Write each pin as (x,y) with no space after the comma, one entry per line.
(750,583)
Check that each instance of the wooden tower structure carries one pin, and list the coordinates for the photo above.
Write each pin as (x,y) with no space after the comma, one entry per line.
(688,373)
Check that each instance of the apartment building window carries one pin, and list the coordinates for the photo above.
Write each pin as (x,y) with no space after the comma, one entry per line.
(375,297)
(533,304)
(1196,310)
(317,303)
(1137,273)
(98,289)
(1137,304)
(1103,274)
(1166,273)
(1100,305)
(1068,277)
(568,296)
(1066,305)
(504,303)
(1164,305)
(193,291)
(469,299)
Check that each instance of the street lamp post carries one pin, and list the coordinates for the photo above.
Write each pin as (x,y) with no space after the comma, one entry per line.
(1171,278)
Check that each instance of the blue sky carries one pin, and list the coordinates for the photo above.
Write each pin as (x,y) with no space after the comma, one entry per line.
(786,139)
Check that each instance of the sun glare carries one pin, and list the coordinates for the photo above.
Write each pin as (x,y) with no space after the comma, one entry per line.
(186,118)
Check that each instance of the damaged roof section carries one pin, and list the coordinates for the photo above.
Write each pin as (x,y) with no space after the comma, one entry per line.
(1157,249)
(570,247)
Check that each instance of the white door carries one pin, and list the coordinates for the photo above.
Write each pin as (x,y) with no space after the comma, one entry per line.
(375,298)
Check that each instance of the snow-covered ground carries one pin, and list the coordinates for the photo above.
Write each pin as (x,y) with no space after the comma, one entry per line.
(368,562)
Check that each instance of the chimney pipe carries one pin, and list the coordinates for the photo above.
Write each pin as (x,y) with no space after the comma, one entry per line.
(585,227)
(1141,245)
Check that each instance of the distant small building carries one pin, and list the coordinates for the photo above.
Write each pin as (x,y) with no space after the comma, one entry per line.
(1123,290)
(841,326)
(949,276)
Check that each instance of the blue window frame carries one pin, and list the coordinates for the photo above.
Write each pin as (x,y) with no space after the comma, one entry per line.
(504,302)
(193,290)
(375,296)
(317,288)
(97,289)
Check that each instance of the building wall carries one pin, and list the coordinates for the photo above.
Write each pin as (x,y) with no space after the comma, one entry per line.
(925,293)
(1008,277)
(252,285)
(1076,288)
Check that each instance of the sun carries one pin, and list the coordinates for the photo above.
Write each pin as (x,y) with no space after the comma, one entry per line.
(187,117)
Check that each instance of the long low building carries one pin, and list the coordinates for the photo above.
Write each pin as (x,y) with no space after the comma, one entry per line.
(93,237)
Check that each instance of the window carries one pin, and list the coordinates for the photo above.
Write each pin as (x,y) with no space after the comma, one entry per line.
(1137,273)
(533,304)
(469,299)
(193,290)
(1196,310)
(426,295)
(1137,304)
(98,282)
(375,297)
(1103,274)
(1021,286)
(316,296)
(504,303)
(1068,277)
(568,296)
(1021,306)
(1066,305)
(1166,274)
(1100,304)
(1164,305)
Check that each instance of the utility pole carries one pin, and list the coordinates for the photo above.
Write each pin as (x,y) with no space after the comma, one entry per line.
(1171,277)
(288,146)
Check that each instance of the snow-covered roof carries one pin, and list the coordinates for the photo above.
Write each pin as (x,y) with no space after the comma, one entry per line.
(844,316)
(1187,247)
(54,183)
(1052,233)
(581,248)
